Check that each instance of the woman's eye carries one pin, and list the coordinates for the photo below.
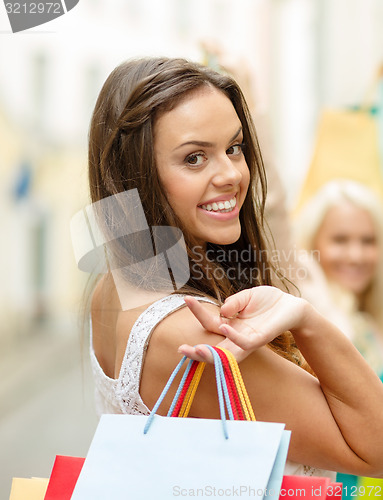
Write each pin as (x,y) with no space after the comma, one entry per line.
(235,150)
(339,239)
(369,240)
(195,159)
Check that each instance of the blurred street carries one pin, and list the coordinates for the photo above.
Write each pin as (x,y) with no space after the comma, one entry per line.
(46,403)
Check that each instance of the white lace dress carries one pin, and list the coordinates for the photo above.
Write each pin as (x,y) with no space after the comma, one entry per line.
(121,395)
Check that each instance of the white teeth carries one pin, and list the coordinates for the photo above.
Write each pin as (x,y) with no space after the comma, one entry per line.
(221,206)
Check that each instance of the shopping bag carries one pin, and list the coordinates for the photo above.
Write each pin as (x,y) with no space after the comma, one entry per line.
(346,147)
(369,487)
(350,485)
(65,472)
(309,488)
(28,488)
(335,490)
(144,457)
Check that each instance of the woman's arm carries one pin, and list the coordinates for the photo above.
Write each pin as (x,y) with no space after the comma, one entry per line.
(337,422)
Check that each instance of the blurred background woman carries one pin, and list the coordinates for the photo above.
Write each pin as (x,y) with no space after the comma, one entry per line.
(341,229)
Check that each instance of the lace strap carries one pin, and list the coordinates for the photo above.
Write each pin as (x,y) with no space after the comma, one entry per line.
(130,374)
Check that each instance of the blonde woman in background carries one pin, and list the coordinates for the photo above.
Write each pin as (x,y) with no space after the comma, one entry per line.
(342,232)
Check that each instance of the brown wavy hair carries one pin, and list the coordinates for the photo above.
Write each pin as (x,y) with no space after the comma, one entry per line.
(122,157)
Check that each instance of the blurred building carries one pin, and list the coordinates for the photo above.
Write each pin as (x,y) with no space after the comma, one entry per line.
(303,54)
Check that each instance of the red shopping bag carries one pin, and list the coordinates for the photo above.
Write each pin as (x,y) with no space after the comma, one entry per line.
(63,478)
(309,488)
(335,490)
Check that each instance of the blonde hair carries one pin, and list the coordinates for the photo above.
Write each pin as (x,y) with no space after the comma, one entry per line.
(310,219)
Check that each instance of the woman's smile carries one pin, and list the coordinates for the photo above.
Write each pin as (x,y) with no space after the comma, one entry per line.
(221,209)
(222,204)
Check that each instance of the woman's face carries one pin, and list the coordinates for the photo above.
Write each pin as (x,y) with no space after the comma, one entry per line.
(199,156)
(348,247)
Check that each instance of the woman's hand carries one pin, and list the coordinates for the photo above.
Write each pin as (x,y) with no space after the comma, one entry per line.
(249,319)
(342,397)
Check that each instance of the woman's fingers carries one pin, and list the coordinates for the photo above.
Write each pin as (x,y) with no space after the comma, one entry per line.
(208,320)
(249,320)
(198,352)
(240,339)
(202,353)
(237,351)
(248,340)
(236,303)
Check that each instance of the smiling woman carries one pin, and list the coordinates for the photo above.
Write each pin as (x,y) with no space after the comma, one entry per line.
(342,224)
(181,135)
(348,246)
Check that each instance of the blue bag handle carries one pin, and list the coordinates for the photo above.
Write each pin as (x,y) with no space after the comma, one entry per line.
(223,394)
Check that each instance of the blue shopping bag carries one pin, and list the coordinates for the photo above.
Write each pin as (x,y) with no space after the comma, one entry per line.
(155,457)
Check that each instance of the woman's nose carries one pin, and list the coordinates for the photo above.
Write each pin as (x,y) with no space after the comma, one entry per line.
(227,172)
(355,252)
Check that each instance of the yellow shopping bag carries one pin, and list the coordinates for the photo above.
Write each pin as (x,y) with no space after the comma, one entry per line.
(32,489)
(370,487)
(347,147)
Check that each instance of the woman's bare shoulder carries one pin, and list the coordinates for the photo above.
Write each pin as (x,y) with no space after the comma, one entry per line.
(162,354)
(104,313)
(111,325)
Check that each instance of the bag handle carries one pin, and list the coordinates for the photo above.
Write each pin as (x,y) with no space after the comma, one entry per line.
(181,406)
(233,390)
(183,400)
(226,371)
(240,386)
(189,383)
(239,398)
(223,396)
